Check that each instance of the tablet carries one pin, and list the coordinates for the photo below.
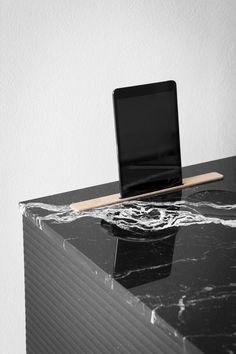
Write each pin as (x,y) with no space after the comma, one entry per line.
(147,134)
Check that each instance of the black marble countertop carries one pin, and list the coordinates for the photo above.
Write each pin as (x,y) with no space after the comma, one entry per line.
(175,254)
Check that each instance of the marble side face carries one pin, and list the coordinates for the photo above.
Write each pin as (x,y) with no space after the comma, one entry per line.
(176,253)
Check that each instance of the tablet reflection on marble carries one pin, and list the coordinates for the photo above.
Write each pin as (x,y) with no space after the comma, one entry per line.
(142,256)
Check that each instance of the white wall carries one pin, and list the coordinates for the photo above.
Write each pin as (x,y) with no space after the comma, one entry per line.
(60,61)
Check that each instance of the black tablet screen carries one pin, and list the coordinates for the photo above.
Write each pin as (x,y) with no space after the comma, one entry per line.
(147,131)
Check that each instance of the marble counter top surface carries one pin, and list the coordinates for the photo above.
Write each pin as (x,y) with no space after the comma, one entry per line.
(175,255)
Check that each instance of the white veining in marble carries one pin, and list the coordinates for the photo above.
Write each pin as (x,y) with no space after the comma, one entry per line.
(142,216)
(163,265)
(191,298)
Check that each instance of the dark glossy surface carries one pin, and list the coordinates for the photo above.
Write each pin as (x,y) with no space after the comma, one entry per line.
(176,254)
(147,132)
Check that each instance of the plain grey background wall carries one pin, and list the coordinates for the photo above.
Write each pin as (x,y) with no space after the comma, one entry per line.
(60,61)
